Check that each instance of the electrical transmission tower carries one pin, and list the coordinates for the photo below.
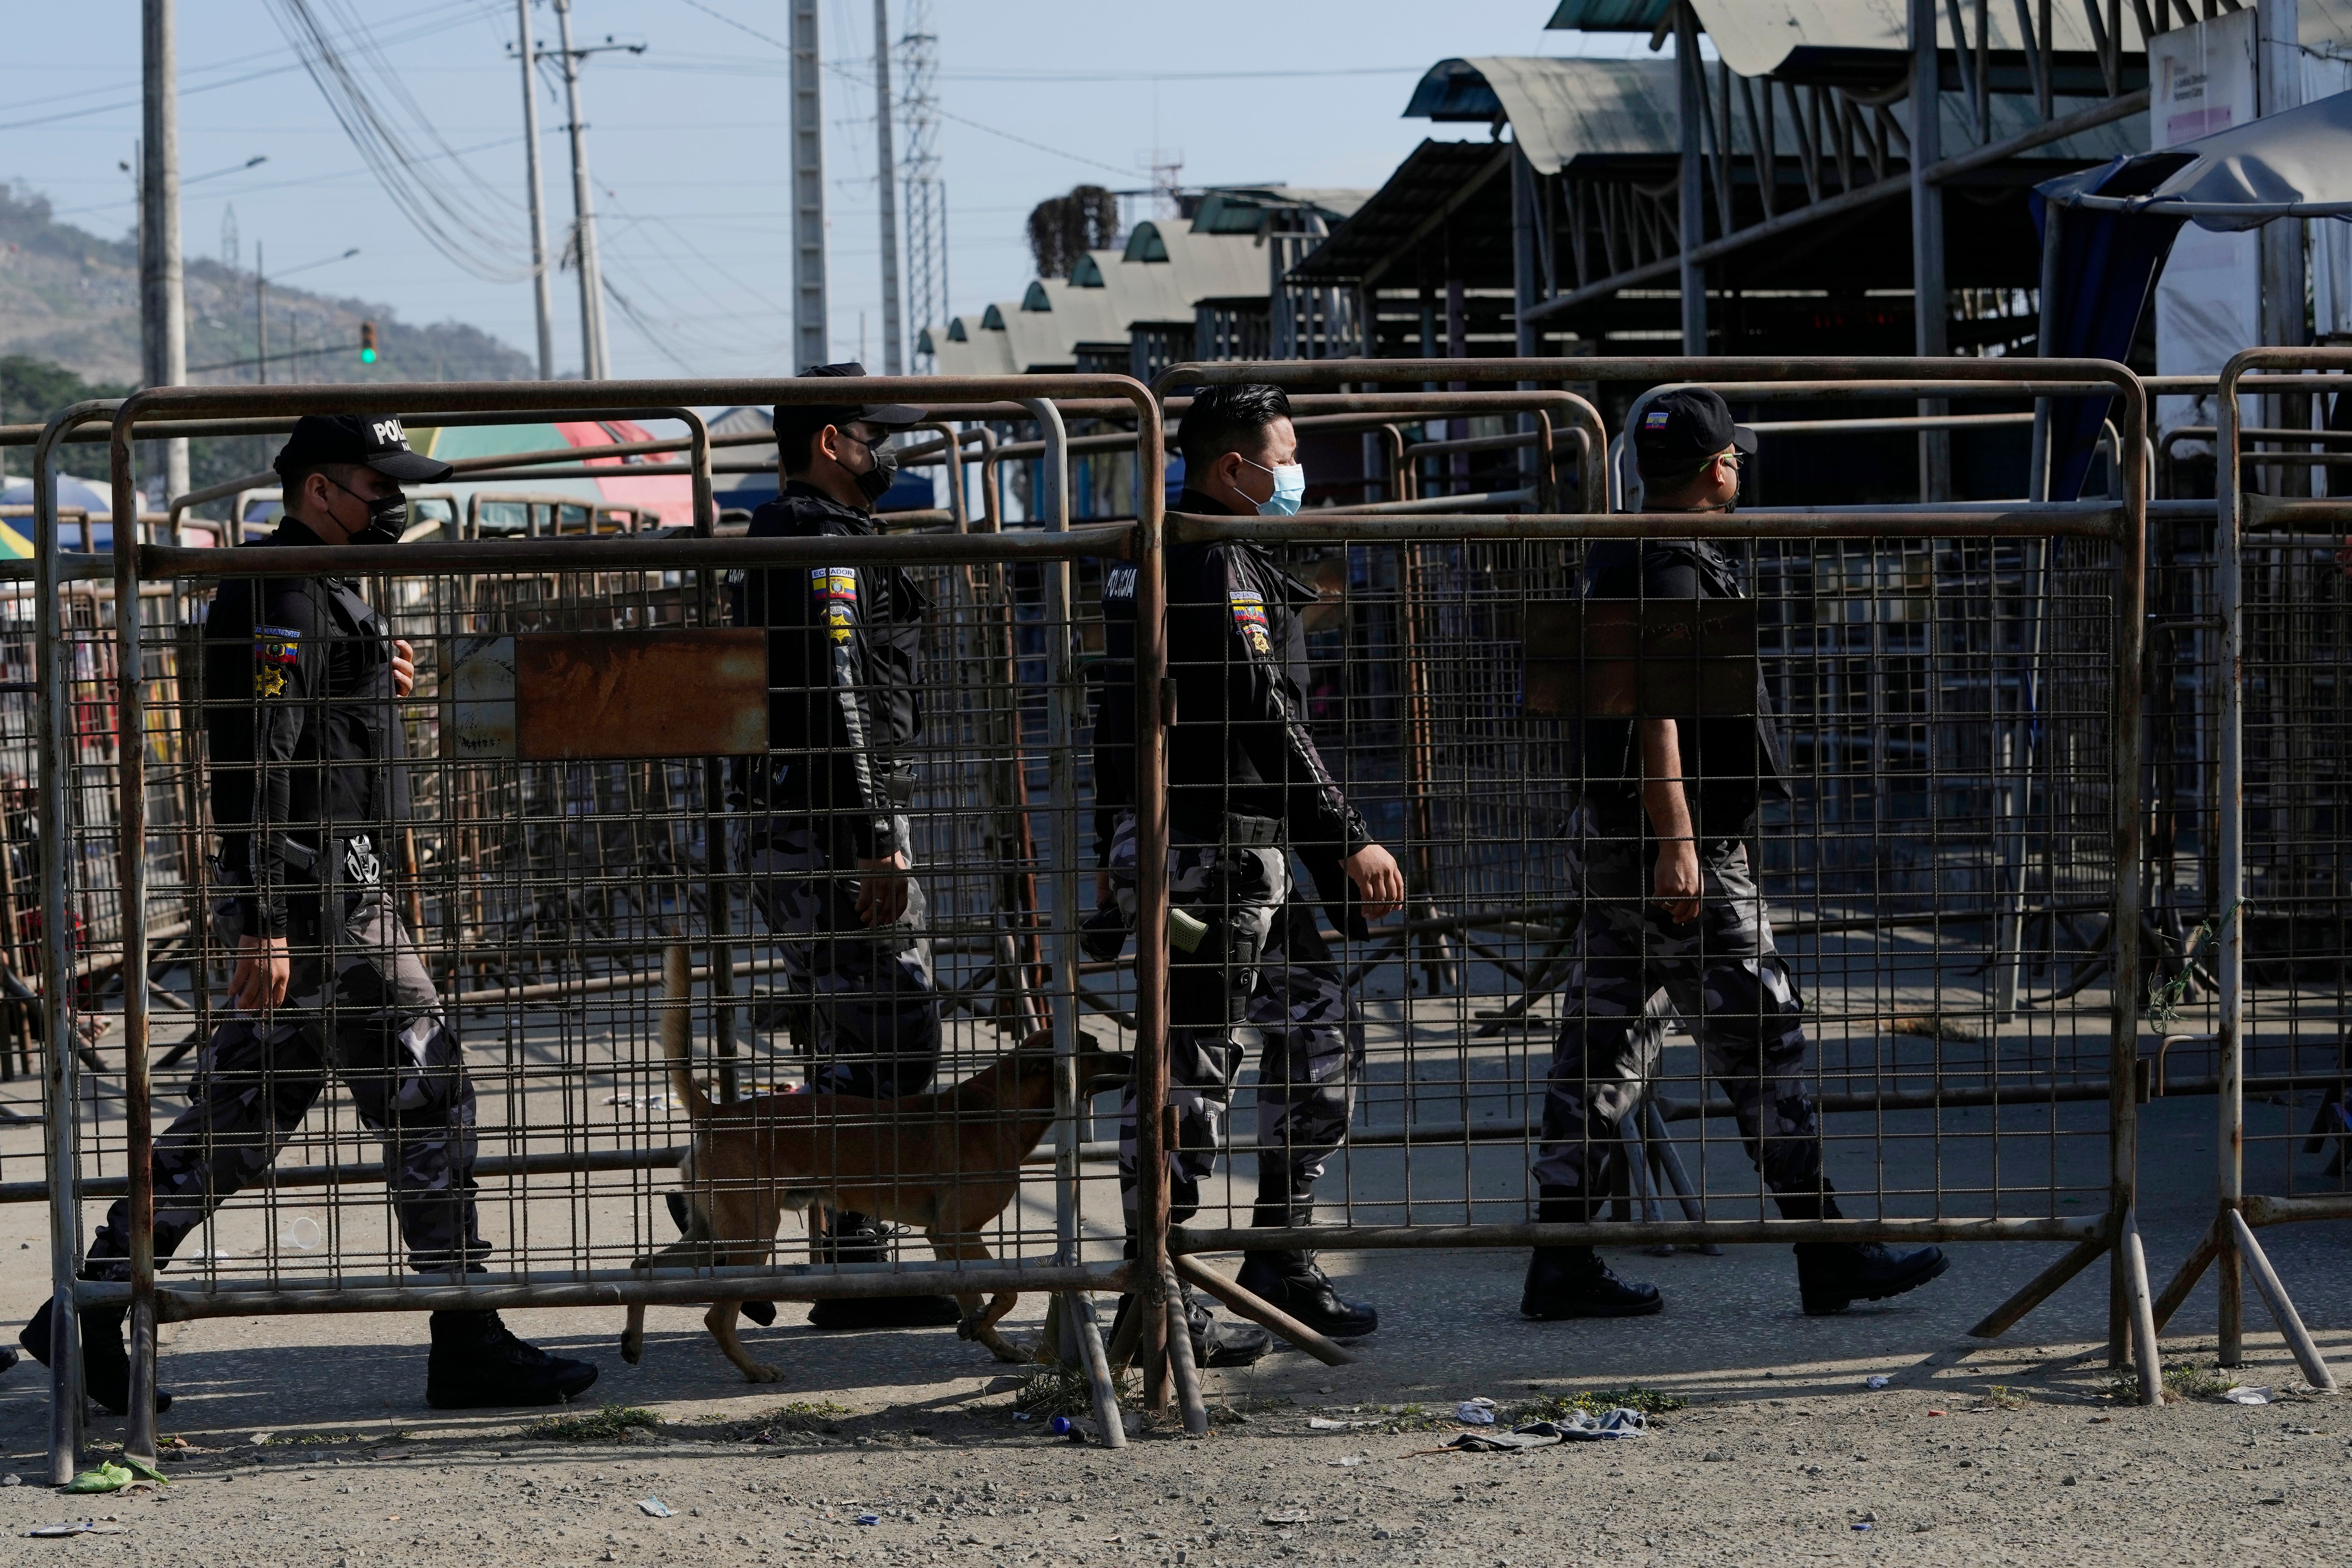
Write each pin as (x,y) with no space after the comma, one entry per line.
(919,173)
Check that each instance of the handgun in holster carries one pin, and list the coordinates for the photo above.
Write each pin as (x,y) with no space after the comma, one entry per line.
(1212,967)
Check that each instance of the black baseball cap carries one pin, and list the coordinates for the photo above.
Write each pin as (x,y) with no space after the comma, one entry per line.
(1680,430)
(816,417)
(365,441)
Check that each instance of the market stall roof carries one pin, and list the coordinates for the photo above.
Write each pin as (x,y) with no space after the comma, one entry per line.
(1452,193)
(1202,266)
(1861,41)
(966,348)
(1567,111)
(2116,225)
(1032,338)
(1080,315)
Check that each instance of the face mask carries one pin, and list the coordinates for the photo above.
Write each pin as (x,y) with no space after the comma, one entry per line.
(875,481)
(387,517)
(1289,488)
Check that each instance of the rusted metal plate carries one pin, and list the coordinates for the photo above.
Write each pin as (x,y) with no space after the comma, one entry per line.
(1621,658)
(556,696)
(691,692)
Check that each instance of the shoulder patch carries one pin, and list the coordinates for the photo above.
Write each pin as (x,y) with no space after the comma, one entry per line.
(835,584)
(275,650)
(1249,620)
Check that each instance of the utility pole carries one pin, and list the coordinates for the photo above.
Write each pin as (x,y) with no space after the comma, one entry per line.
(260,316)
(892,362)
(163,304)
(812,329)
(592,276)
(541,292)
(926,208)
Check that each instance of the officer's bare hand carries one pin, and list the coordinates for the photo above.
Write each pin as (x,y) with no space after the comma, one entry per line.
(1676,885)
(882,890)
(403,667)
(1380,886)
(264,966)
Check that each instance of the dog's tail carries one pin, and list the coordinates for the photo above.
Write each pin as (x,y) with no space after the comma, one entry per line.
(677,1030)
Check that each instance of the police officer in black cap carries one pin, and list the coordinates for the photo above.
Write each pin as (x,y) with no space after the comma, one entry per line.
(301,688)
(1660,838)
(826,846)
(1246,789)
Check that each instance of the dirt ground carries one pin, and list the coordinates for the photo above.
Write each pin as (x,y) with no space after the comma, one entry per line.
(308,1442)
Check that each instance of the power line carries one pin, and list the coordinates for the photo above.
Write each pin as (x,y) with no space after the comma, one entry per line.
(424,30)
(868,82)
(349,78)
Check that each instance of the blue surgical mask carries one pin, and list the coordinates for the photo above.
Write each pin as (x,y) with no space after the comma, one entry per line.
(1289,488)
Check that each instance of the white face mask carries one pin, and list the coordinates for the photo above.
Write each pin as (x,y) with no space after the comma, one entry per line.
(1289,488)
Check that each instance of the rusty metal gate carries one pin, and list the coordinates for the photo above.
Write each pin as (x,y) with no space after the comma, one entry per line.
(2270,950)
(1959,690)
(584,723)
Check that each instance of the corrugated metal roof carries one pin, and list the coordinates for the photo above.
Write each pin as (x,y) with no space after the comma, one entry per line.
(1033,341)
(1609,15)
(1476,233)
(1758,38)
(966,348)
(1204,266)
(1561,110)
(1143,292)
(1080,315)
(1242,209)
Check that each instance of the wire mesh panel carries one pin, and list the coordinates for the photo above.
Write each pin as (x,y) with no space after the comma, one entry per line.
(20,905)
(1876,995)
(479,1069)
(2297,909)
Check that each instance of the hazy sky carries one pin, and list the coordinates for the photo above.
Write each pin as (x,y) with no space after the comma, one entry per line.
(686,141)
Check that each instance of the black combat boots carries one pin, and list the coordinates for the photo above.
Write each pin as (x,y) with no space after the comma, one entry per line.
(1572,1281)
(479,1364)
(854,1238)
(1214,1341)
(105,1364)
(1291,1281)
(1833,1275)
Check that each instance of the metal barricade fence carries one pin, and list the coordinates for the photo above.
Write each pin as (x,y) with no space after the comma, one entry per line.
(1959,690)
(2276,918)
(574,815)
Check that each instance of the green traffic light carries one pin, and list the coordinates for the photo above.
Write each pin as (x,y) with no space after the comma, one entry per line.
(367,356)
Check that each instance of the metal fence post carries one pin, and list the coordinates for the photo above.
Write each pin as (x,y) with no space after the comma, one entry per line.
(61,1076)
(2230,961)
(1149,1276)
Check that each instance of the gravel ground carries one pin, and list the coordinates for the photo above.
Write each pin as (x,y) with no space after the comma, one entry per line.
(307,1442)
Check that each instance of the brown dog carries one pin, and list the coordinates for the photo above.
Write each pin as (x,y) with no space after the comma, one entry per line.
(947,1163)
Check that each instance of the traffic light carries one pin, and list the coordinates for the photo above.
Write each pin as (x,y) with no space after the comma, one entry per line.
(367,342)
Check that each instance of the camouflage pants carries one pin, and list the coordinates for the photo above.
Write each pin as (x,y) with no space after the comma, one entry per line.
(876,1010)
(1267,965)
(382,1034)
(1721,974)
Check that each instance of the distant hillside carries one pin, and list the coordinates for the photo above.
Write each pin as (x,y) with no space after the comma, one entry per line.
(69,296)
